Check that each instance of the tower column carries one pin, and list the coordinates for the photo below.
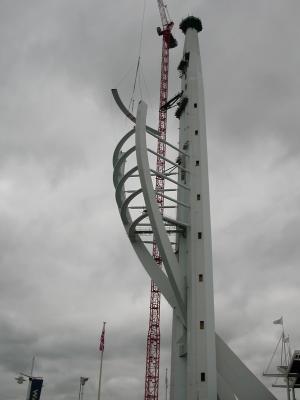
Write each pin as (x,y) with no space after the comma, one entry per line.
(195,253)
(186,281)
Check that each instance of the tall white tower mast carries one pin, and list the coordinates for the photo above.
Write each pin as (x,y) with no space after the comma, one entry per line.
(202,366)
(194,248)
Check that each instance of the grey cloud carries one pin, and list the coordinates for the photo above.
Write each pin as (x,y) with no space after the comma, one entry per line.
(66,263)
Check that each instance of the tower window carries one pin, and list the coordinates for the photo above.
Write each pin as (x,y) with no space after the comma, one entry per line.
(199,235)
(201,324)
(200,277)
(195,105)
(197,163)
(196,132)
(202,376)
(198,196)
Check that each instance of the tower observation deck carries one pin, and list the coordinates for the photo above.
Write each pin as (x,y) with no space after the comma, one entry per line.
(203,367)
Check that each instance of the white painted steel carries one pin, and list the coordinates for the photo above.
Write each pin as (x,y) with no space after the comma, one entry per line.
(195,254)
(118,148)
(167,143)
(188,282)
(146,258)
(240,379)
(128,113)
(163,243)
(178,360)
(224,390)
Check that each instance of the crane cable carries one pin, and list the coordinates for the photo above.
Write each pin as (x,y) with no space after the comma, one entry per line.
(131,102)
(137,75)
(167,12)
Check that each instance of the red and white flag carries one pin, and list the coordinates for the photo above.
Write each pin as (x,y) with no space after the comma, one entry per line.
(101,346)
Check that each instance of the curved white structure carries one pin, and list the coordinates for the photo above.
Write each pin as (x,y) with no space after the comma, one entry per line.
(203,366)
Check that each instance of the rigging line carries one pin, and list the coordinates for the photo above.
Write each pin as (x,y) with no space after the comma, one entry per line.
(137,75)
(282,346)
(135,80)
(124,76)
(142,28)
(140,86)
(167,12)
(170,169)
(268,366)
(146,88)
(140,45)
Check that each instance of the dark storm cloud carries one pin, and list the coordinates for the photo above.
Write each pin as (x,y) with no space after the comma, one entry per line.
(66,263)
(257,53)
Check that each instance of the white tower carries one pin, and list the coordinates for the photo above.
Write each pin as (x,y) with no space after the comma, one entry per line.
(202,365)
(194,247)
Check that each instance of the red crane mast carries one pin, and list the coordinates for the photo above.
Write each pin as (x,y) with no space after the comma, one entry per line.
(153,337)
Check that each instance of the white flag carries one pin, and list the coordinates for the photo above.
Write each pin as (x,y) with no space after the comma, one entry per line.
(278,321)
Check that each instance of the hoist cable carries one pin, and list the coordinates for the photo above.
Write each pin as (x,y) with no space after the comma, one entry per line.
(142,28)
(140,85)
(139,59)
(124,76)
(134,85)
(167,12)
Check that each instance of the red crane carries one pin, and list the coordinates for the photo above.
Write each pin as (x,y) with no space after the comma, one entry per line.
(153,337)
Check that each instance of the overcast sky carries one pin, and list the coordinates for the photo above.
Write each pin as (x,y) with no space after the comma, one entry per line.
(66,263)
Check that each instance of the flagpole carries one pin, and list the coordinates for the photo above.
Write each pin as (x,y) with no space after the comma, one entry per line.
(32,366)
(101,359)
(30,378)
(166,382)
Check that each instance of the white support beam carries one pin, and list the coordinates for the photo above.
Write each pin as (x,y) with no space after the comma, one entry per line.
(241,380)
(224,390)
(165,249)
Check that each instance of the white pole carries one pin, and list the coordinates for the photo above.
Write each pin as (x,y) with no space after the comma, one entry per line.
(288,387)
(101,360)
(100,374)
(79,395)
(82,386)
(166,381)
(32,366)
(30,379)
